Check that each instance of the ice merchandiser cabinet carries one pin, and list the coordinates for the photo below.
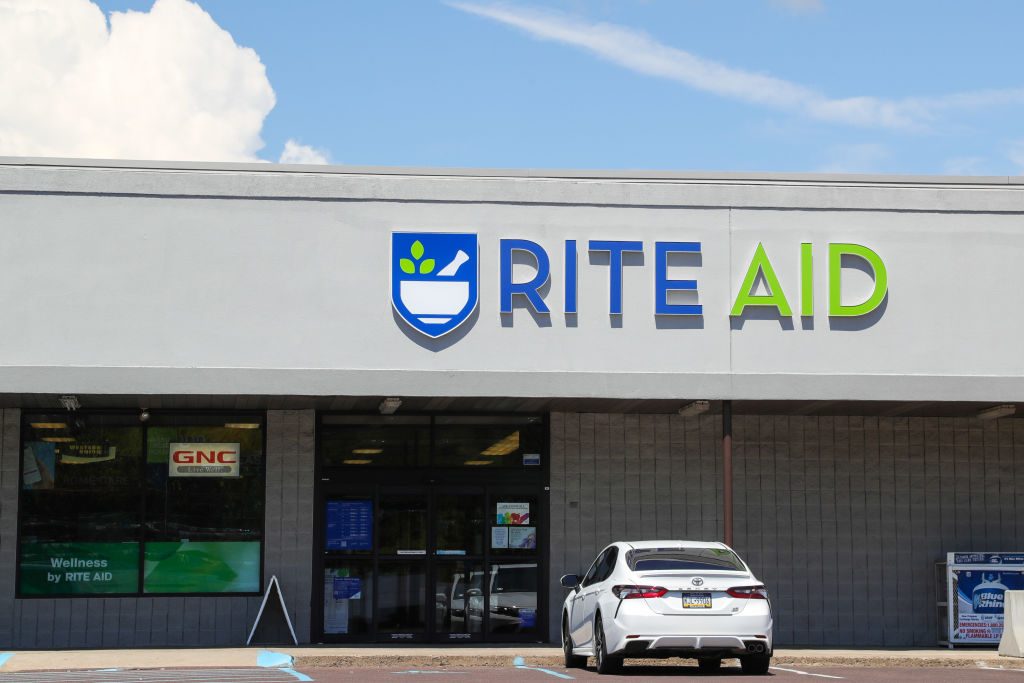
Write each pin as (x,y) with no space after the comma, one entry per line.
(975,586)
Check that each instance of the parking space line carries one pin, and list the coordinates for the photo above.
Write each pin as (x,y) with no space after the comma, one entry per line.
(805,673)
(986,667)
(520,663)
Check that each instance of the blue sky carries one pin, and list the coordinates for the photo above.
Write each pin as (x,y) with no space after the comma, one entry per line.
(550,85)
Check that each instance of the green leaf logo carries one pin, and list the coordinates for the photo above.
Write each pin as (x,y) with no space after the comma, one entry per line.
(427,266)
(417,250)
(407,266)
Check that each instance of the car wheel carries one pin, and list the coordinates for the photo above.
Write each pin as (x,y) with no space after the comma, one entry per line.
(571,661)
(606,664)
(709,665)
(756,665)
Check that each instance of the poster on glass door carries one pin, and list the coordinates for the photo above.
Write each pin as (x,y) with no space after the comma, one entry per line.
(513,513)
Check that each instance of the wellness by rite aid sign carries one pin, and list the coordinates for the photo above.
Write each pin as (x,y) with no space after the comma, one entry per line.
(435,277)
(204,460)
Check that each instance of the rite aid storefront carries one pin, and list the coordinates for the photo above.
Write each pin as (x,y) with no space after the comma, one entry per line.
(418,397)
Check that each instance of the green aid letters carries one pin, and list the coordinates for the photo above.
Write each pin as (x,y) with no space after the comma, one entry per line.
(761,265)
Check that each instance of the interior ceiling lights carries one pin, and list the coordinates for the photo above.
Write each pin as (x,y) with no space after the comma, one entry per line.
(510,444)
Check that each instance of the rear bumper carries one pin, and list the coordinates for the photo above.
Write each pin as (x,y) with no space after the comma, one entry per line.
(639,632)
(693,646)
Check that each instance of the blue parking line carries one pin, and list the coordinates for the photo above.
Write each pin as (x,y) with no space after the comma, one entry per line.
(300,676)
(273,660)
(520,663)
(4,657)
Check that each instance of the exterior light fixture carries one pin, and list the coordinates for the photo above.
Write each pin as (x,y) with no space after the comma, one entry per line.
(367,451)
(70,402)
(356,461)
(695,408)
(48,425)
(242,425)
(478,462)
(389,405)
(997,412)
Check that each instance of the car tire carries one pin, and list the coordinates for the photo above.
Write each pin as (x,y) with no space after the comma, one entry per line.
(708,665)
(755,665)
(606,664)
(571,661)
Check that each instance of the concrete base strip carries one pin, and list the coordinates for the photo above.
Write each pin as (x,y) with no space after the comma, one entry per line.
(436,658)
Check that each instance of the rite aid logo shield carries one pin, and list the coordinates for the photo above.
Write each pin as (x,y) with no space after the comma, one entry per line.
(434,279)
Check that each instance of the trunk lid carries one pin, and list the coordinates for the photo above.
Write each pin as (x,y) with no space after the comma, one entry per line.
(696,593)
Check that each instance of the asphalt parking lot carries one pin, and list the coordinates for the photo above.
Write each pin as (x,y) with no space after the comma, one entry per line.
(663,673)
(513,674)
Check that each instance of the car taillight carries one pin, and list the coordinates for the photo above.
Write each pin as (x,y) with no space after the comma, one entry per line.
(749,592)
(630,592)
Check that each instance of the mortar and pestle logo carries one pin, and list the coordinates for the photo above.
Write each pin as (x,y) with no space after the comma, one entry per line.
(434,301)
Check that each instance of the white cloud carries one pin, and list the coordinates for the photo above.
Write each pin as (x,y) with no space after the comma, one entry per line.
(640,52)
(297,153)
(165,84)
(801,6)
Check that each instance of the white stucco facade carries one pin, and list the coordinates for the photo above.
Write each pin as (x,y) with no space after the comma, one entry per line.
(265,279)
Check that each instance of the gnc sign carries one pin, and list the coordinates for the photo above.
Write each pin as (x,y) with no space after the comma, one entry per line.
(204,460)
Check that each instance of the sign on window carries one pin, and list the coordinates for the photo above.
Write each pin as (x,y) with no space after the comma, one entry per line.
(204,460)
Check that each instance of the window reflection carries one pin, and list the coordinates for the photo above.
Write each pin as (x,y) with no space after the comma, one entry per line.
(459,599)
(513,598)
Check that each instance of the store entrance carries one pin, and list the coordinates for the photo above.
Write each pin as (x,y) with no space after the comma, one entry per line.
(442,555)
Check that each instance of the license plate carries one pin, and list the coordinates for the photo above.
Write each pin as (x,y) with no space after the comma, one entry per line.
(696,601)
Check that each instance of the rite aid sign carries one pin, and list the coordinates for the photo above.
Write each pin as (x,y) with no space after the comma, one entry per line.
(204,460)
(435,279)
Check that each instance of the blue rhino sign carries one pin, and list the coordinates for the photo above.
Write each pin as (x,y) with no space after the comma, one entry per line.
(434,278)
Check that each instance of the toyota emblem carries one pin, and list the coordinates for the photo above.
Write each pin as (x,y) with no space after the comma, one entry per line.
(698,581)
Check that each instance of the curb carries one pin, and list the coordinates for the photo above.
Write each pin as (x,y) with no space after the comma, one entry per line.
(442,661)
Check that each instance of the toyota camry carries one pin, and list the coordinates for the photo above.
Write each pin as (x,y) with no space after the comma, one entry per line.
(656,599)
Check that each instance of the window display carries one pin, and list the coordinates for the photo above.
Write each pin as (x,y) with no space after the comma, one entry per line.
(114,505)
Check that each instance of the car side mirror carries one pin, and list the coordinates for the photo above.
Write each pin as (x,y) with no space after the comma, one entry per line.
(570,581)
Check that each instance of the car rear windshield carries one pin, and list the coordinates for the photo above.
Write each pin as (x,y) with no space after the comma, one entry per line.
(670,559)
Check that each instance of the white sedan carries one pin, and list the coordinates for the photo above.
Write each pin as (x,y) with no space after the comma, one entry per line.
(655,599)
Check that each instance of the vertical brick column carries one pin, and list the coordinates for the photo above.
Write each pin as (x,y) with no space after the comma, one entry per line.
(10,440)
(288,540)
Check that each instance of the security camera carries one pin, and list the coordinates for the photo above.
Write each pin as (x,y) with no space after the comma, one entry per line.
(144,415)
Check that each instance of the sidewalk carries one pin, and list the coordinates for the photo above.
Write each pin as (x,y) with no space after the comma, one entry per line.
(373,657)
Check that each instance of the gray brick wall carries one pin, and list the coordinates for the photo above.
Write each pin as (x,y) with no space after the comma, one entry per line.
(159,622)
(842,517)
(628,477)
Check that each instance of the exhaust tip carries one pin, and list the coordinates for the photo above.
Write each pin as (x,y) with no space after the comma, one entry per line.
(756,648)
